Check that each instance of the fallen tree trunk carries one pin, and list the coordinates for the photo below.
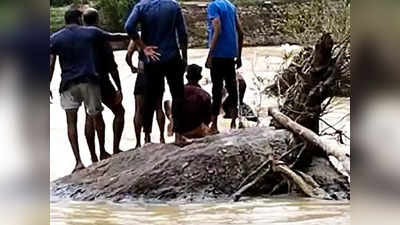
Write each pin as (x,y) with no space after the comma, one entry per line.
(312,138)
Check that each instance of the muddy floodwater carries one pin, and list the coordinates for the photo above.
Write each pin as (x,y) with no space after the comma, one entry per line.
(262,62)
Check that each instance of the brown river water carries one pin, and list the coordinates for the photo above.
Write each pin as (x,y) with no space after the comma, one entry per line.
(263,61)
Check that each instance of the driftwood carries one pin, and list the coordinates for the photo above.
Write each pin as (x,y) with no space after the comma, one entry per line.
(310,137)
(315,75)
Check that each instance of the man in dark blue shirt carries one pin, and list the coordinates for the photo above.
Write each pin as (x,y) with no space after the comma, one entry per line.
(161,21)
(226,41)
(75,44)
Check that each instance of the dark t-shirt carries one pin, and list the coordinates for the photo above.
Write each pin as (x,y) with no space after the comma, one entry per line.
(198,106)
(105,61)
(162,24)
(75,46)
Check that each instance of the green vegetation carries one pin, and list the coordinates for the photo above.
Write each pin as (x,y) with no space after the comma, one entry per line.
(303,21)
(57,18)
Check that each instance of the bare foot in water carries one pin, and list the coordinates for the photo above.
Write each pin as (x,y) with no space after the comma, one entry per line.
(162,140)
(79,166)
(181,140)
(104,155)
(138,146)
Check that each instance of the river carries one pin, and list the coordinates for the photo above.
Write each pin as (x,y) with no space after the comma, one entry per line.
(260,61)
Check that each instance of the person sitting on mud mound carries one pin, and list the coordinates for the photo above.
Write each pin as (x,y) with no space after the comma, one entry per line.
(197,106)
(245,110)
(139,92)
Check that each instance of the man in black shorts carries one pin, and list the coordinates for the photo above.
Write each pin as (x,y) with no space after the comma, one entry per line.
(105,65)
(140,90)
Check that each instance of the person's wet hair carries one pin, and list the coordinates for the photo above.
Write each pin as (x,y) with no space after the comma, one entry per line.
(73,16)
(91,17)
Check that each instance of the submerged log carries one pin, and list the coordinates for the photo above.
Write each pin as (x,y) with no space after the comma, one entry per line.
(214,167)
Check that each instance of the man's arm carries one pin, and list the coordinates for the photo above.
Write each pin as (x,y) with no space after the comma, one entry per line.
(117,37)
(216,23)
(129,55)
(182,35)
(52,66)
(239,29)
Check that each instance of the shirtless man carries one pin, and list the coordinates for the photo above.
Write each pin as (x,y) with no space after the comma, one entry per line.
(197,106)
(105,65)
(140,89)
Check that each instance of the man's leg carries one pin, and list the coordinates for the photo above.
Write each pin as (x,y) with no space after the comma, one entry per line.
(118,123)
(154,78)
(72,119)
(160,118)
(168,112)
(90,135)
(100,129)
(92,98)
(217,85)
(174,73)
(138,118)
(231,87)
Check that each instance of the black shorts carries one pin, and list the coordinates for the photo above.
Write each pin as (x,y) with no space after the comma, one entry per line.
(140,85)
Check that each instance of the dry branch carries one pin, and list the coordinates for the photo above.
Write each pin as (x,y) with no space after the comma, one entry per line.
(312,138)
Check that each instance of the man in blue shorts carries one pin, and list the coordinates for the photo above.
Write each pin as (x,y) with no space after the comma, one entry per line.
(75,46)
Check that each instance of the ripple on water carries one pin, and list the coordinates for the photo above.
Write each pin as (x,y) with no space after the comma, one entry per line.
(280,211)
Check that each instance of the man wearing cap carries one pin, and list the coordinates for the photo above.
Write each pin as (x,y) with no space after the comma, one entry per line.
(197,104)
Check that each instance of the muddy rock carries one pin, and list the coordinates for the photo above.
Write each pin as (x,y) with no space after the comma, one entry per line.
(212,167)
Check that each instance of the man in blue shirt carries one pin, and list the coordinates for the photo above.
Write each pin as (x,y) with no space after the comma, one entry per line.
(225,41)
(75,45)
(162,24)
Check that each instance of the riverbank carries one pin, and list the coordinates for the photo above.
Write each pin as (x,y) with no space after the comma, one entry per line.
(265,23)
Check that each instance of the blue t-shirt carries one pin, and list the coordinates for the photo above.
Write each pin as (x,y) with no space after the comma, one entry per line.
(75,47)
(162,25)
(227,44)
